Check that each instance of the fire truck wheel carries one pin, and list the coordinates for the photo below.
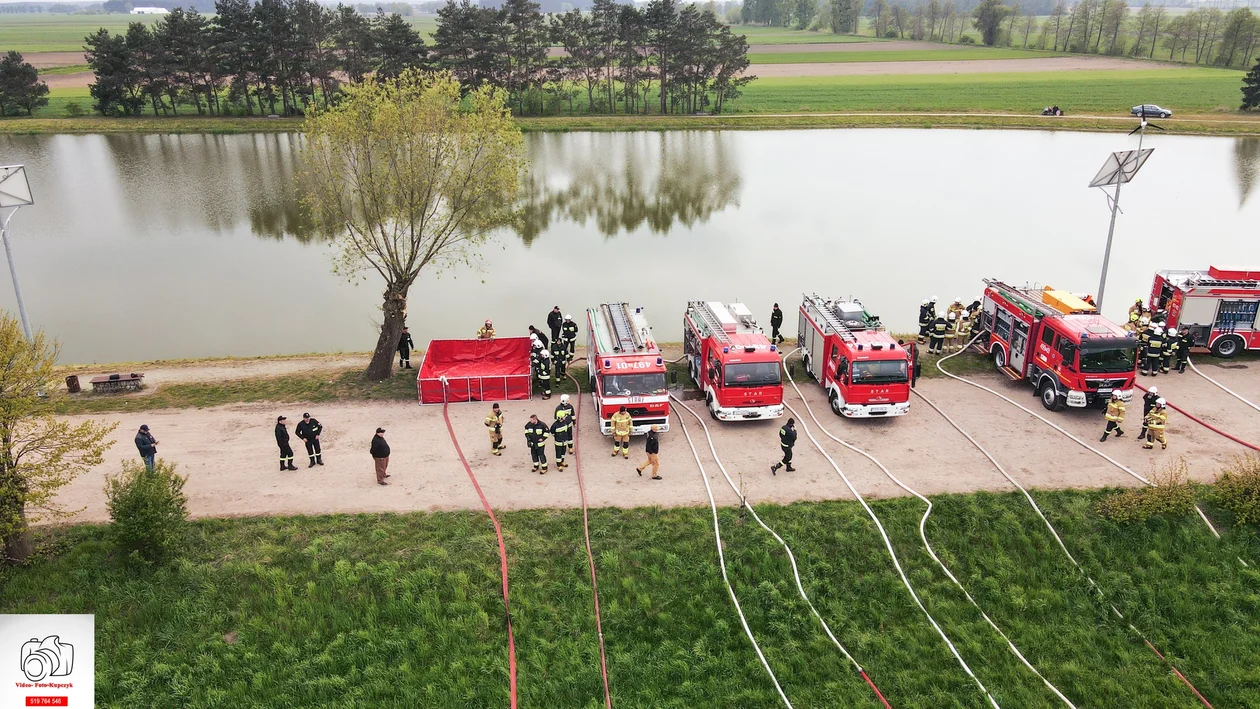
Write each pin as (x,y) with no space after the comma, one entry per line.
(805,361)
(1227,347)
(835,403)
(1049,397)
(999,358)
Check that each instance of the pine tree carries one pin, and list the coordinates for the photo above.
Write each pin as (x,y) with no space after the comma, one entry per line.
(20,87)
(1251,88)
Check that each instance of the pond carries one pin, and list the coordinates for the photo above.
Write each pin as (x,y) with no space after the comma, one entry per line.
(142,247)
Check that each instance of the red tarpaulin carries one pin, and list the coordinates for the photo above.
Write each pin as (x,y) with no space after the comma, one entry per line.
(475,370)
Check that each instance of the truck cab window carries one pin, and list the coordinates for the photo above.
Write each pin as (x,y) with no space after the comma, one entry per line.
(1068,350)
(1047,337)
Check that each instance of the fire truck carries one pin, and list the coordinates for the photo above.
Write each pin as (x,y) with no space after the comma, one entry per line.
(626,368)
(732,361)
(1059,342)
(1218,307)
(862,368)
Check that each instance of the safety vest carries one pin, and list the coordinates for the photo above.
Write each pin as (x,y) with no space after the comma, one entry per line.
(1115,410)
(939,328)
(621,423)
(1154,345)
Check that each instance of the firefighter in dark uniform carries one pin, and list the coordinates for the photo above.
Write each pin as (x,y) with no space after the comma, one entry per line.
(568,330)
(1154,351)
(776,322)
(542,371)
(1184,342)
(536,438)
(1171,344)
(787,439)
(561,433)
(925,323)
(309,431)
(555,321)
(282,440)
(939,328)
(542,339)
(566,407)
(1148,403)
(559,358)
(405,345)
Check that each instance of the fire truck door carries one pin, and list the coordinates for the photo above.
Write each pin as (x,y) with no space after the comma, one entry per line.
(1019,345)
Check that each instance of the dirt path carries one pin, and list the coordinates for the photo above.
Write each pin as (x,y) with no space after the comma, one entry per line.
(893,46)
(230,456)
(974,66)
(48,60)
(221,370)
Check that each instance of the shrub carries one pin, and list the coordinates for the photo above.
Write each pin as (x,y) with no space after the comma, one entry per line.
(966,39)
(74,109)
(1171,496)
(1237,489)
(149,510)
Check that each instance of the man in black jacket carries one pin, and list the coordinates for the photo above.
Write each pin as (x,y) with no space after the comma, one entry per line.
(776,322)
(282,440)
(147,445)
(309,431)
(787,439)
(653,449)
(555,321)
(568,330)
(405,346)
(380,456)
(536,433)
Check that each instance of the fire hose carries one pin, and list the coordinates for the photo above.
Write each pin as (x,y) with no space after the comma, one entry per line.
(1203,423)
(498,533)
(586,532)
(1222,386)
(796,574)
(923,535)
(717,535)
(893,554)
(1037,508)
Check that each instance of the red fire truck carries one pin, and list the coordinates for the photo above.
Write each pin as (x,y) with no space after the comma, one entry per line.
(626,367)
(862,368)
(1219,307)
(1057,341)
(732,361)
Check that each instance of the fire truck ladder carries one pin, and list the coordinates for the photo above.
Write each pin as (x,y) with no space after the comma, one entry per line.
(711,321)
(618,318)
(829,316)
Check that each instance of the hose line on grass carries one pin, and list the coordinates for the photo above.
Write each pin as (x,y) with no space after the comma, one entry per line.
(586,532)
(717,535)
(796,574)
(893,554)
(498,533)
(1222,386)
(923,535)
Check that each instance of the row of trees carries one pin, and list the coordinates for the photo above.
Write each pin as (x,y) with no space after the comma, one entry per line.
(283,56)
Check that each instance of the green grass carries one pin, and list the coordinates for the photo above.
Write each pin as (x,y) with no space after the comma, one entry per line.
(67,69)
(923,55)
(59,33)
(1184,90)
(404,610)
(757,34)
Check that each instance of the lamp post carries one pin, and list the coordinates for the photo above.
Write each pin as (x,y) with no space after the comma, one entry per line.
(1119,169)
(15,192)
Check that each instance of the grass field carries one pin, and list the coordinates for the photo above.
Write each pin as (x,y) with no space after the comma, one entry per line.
(404,610)
(757,34)
(927,55)
(59,33)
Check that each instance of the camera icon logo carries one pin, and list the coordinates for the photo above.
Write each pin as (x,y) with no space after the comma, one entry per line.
(47,658)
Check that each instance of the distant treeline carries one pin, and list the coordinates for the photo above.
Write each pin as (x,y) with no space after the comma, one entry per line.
(284,56)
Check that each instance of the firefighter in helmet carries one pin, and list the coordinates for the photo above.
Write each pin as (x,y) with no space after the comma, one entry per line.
(1148,403)
(1115,416)
(561,434)
(1170,348)
(621,425)
(939,328)
(536,433)
(964,332)
(951,331)
(568,330)
(486,332)
(542,371)
(1184,342)
(956,308)
(559,358)
(925,322)
(1132,324)
(1154,351)
(1155,423)
(566,407)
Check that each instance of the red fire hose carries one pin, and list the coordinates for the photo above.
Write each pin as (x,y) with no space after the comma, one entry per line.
(1204,424)
(503,566)
(586,531)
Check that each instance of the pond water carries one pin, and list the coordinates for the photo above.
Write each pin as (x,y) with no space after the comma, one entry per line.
(144,247)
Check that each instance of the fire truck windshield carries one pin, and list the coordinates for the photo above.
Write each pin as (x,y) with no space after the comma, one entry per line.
(1108,361)
(754,374)
(893,371)
(651,384)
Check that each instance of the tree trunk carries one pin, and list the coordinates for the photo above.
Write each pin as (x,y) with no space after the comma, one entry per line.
(394,312)
(18,547)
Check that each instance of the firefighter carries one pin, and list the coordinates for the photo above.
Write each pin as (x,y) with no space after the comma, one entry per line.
(568,330)
(536,438)
(1170,347)
(1184,342)
(925,323)
(1148,403)
(787,439)
(956,308)
(536,333)
(309,431)
(1132,324)
(1115,416)
(939,328)
(559,358)
(932,307)
(282,440)
(561,432)
(1155,421)
(542,370)
(566,407)
(1143,336)
(486,332)
(535,347)
(1137,309)
(973,311)
(776,322)
(951,331)
(964,332)
(621,424)
(494,422)
(554,321)
(1154,351)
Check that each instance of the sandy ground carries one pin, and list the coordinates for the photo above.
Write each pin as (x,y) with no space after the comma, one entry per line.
(894,46)
(222,370)
(975,66)
(47,60)
(230,456)
(76,80)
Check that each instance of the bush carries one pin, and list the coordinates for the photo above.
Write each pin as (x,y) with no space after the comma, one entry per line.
(966,39)
(1237,489)
(74,109)
(149,510)
(1171,496)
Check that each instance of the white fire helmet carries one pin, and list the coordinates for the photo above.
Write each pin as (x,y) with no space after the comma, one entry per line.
(568,317)
(926,301)
(958,300)
(1160,401)
(564,398)
(933,299)
(1153,390)
(1145,320)
(1159,330)
(1172,331)
(533,336)
(545,354)
(952,316)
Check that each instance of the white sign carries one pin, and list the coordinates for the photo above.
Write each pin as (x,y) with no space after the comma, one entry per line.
(47,661)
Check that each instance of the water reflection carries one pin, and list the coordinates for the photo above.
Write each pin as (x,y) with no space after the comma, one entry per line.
(1246,166)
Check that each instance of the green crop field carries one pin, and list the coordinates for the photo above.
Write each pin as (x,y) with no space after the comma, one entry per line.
(404,610)
(58,33)
(757,34)
(1183,90)
(924,55)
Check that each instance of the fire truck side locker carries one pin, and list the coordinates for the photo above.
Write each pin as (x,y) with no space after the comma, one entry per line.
(812,341)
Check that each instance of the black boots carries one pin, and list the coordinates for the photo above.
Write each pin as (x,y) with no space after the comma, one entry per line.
(312,465)
(292,466)
(774,469)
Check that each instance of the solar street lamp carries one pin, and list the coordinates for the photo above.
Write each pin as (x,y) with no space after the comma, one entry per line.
(1119,169)
(15,192)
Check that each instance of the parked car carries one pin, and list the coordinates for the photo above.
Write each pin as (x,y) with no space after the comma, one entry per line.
(1147,110)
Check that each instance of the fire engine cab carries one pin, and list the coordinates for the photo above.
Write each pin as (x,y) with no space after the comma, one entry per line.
(732,361)
(862,368)
(1218,307)
(1059,342)
(626,368)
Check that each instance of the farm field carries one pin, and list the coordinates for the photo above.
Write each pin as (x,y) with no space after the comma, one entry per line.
(404,609)
(59,33)
(929,53)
